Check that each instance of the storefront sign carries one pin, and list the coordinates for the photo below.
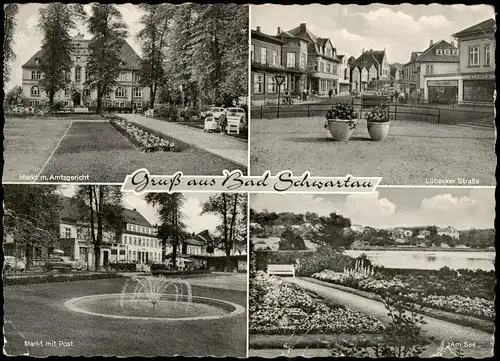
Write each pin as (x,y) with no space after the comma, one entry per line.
(442,83)
(481,76)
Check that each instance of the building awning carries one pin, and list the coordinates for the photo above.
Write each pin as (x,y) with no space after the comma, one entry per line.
(276,69)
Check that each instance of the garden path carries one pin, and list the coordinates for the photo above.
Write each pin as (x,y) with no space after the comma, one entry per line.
(229,148)
(441,331)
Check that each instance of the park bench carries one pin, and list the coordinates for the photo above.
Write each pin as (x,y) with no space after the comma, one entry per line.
(281,269)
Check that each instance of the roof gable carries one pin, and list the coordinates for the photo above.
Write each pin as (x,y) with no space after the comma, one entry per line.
(487,26)
(430,53)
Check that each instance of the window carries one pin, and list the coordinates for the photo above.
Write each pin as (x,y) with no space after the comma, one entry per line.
(87,74)
(129,227)
(35,103)
(321,67)
(487,55)
(86,92)
(137,78)
(252,53)
(77,59)
(302,60)
(315,66)
(446,51)
(67,232)
(328,68)
(78,73)
(346,77)
(474,56)
(429,69)
(120,93)
(133,227)
(271,84)
(258,84)
(455,52)
(292,83)
(37,61)
(123,77)
(439,52)
(275,57)
(35,91)
(290,60)
(334,69)
(36,75)
(66,103)
(68,75)
(263,55)
(138,92)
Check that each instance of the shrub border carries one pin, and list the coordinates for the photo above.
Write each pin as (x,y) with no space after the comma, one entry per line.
(459,319)
(52,278)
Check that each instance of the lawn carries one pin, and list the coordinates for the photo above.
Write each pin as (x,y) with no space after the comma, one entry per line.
(28,144)
(37,312)
(100,151)
(411,153)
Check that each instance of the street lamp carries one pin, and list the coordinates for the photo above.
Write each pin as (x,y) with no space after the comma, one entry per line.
(279,80)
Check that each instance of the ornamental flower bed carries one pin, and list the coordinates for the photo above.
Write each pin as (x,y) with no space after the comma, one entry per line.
(143,139)
(420,290)
(280,308)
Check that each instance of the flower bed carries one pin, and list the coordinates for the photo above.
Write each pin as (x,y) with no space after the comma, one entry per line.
(146,141)
(425,291)
(280,308)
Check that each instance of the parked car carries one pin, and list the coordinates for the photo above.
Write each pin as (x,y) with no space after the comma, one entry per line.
(215,112)
(238,115)
(12,264)
(75,264)
(58,264)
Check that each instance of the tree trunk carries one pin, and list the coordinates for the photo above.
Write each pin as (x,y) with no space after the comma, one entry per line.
(51,99)
(152,96)
(92,227)
(99,210)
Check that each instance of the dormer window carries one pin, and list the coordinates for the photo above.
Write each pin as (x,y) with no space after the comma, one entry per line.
(455,52)
(446,51)
(37,61)
(439,52)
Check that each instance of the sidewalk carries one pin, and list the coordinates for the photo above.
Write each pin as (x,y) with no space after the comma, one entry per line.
(438,329)
(229,148)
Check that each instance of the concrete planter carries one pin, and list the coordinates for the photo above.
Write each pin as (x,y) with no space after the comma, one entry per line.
(341,129)
(378,130)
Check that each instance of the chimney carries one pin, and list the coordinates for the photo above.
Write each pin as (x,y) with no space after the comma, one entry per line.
(303,27)
(430,43)
(363,51)
(279,30)
(258,29)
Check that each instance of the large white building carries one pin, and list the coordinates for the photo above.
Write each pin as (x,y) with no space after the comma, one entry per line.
(127,93)
(138,242)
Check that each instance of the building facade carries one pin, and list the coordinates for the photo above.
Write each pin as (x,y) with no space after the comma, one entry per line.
(344,75)
(472,76)
(127,93)
(370,70)
(449,231)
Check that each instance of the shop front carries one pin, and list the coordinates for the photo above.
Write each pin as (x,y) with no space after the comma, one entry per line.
(442,91)
(479,87)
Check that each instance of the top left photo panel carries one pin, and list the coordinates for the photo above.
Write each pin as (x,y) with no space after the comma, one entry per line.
(94,92)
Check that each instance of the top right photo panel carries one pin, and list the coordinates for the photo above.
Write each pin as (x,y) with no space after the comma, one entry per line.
(405,92)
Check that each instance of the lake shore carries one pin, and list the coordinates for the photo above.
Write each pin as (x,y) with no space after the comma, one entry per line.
(422,249)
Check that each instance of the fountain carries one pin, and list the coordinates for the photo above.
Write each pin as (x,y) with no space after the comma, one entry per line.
(149,300)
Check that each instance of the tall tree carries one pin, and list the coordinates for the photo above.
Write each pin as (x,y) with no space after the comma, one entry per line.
(332,232)
(100,210)
(104,62)
(56,22)
(172,229)
(14,96)
(31,217)
(231,208)
(9,25)
(153,41)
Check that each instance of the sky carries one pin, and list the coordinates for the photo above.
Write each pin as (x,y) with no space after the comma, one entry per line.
(27,38)
(400,29)
(194,221)
(462,208)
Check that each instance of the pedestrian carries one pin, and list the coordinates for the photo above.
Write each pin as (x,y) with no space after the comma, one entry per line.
(286,97)
(330,92)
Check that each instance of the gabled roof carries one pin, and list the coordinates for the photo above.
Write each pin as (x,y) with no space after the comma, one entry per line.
(414,55)
(379,55)
(340,56)
(266,37)
(202,238)
(132,216)
(130,59)
(302,32)
(430,53)
(367,59)
(485,27)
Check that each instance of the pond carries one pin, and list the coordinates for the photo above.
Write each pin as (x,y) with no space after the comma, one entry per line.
(429,259)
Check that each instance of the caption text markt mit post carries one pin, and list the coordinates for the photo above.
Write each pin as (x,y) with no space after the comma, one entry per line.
(284,181)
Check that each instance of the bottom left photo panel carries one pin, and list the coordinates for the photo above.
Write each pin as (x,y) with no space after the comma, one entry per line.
(91,271)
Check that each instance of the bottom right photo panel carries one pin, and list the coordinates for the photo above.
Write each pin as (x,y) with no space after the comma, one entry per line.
(401,272)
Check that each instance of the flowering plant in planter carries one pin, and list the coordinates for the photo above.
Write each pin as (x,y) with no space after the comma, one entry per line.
(344,111)
(377,115)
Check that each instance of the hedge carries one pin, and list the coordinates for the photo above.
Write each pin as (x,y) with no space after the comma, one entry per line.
(51,278)
(160,272)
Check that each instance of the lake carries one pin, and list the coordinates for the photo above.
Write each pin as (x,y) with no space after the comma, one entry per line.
(429,259)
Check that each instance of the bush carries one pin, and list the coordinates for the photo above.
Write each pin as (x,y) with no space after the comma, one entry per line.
(123,266)
(167,111)
(52,278)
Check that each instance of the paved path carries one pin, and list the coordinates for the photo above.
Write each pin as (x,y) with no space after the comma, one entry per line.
(438,329)
(227,147)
